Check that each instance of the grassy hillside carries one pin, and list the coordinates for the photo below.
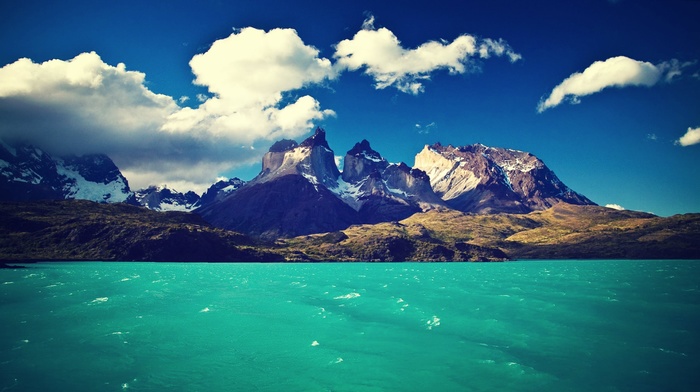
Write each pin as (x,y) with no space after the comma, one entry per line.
(83,230)
(562,232)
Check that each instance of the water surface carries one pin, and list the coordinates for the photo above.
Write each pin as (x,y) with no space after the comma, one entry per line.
(516,326)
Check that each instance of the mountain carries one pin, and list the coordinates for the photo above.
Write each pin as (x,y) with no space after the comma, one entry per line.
(289,197)
(162,198)
(218,191)
(301,191)
(380,191)
(29,173)
(483,179)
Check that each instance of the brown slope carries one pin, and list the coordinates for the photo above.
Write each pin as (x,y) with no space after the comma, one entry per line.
(562,232)
(83,230)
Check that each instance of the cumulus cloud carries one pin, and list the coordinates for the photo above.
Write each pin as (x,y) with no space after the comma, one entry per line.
(615,207)
(248,73)
(255,82)
(84,105)
(81,105)
(692,136)
(380,53)
(618,71)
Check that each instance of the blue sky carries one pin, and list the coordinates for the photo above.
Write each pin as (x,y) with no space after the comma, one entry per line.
(607,93)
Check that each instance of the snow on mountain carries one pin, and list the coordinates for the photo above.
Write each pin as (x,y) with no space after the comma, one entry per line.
(484,179)
(162,198)
(29,173)
(219,191)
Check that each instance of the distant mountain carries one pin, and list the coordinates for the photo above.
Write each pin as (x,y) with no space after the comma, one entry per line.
(483,179)
(29,173)
(162,198)
(219,190)
(301,191)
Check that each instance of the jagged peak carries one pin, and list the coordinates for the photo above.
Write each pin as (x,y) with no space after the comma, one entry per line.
(283,145)
(363,149)
(317,139)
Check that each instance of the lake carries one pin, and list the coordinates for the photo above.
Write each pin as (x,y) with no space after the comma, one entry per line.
(615,325)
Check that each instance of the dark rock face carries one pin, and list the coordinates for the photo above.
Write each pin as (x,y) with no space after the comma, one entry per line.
(483,179)
(312,159)
(219,191)
(29,173)
(288,206)
(361,161)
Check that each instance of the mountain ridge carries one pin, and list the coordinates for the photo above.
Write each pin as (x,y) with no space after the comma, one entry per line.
(472,179)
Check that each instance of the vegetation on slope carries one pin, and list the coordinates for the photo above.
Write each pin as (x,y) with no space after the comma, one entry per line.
(562,232)
(84,230)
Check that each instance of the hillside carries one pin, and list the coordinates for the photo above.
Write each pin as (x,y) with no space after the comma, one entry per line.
(564,231)
(84,230)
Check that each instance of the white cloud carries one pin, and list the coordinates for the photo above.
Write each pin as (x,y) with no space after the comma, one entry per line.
(248,74)
(615,207)
(254,80)
(254,67)
(425,129)
(618,71)
(80,105)
(380,54)
(692,136)
(84,105)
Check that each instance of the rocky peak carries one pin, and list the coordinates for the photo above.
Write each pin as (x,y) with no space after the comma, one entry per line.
(478,178)
(312,159)
(317,139)
(29,173)
(283,145)
(360,161)
(162,198)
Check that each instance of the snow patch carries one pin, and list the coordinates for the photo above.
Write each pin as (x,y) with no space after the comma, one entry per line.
(349,193)
(372,158)
(80,188)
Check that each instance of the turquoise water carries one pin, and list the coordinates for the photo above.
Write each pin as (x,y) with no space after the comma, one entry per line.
(517,326)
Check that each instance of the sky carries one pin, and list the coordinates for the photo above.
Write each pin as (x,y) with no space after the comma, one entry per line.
(606,93)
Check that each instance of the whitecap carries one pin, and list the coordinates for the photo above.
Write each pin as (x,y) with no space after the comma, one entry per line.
(348,296)
(315,343)
(99,300)
(338,360)
(205,310)
(434,322)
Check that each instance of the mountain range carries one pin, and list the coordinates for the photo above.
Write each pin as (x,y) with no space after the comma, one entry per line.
(471,202)
(301,191)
